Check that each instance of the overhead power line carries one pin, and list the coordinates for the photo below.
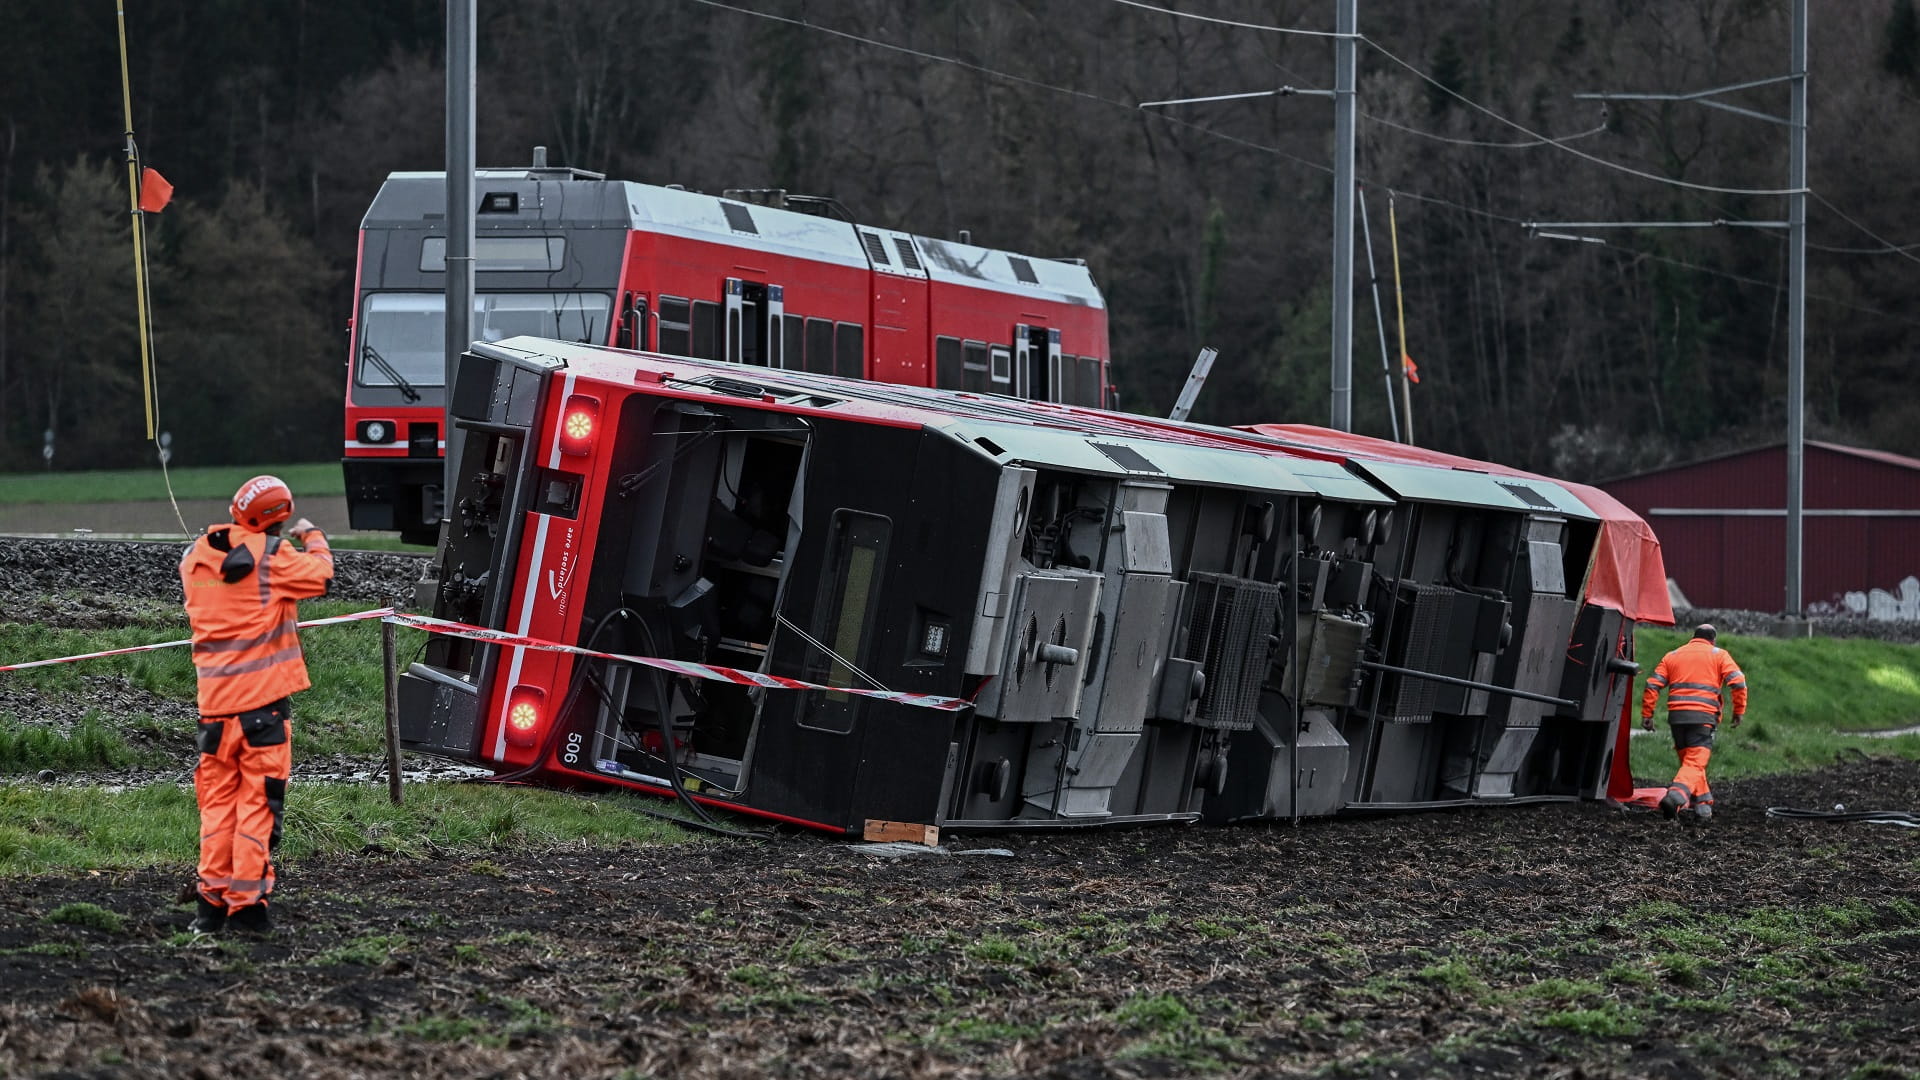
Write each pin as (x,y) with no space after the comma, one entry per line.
(1887,247)
(1575,151)
(1231,22)
(1415,196)
(1551,140)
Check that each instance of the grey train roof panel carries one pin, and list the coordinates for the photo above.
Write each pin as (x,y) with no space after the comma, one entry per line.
(1077,451)
(1460,487)
(418,199)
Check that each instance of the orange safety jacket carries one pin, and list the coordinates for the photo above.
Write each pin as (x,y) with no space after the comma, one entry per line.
(242,590)
(1693,676)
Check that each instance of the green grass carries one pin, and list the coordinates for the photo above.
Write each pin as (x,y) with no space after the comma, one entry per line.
(92,916)
(1806,694)
(342,713)
(371,951)
(134,485)
(71,828)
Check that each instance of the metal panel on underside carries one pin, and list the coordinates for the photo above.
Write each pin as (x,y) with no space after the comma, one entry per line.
(1459,487)
(1332,480)
(1077,452)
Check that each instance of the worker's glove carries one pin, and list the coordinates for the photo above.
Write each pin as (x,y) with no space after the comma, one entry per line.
(1647,722)
(1736,719)
(300,529)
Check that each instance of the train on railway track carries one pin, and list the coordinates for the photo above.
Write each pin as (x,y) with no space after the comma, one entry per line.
(754,277)
(967,610)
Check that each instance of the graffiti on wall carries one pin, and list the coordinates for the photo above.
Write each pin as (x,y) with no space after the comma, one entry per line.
(1902,605)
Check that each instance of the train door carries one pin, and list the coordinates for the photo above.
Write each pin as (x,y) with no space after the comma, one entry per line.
(753,323)
(632,332)
(1023,360)
(901,331)
(1036,362)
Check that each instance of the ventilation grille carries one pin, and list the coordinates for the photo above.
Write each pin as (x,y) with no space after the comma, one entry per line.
(1127,458)
(1230,631)
(908,257)
(1526,495)
(1023,270)
(1425,617)
(739,218)
(876,248)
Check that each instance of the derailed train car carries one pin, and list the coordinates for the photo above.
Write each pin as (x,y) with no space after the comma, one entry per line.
(1151,621)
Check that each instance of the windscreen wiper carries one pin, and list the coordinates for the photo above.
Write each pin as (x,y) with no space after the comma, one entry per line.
(380,363)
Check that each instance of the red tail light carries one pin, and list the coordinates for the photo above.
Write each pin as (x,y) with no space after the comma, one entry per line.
(579,423)
(526,712)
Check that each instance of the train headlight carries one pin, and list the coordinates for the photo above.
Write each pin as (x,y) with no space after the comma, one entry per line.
(526,711)
(579,422)
(376,431)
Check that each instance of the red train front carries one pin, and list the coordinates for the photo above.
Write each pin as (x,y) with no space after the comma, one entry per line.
(755,278)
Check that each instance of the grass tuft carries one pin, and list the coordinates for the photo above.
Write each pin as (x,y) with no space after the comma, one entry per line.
(91,916)
(370,951)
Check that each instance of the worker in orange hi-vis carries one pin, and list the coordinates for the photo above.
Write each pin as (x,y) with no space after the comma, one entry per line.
(1694,676)
(243,584)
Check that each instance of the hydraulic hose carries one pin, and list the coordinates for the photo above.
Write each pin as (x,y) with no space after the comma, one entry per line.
(1868,817)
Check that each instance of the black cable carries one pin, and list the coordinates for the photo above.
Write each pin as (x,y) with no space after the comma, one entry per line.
(664,700)
(1870,817)
(705,824)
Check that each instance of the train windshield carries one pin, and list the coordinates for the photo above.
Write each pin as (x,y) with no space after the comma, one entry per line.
(403,335)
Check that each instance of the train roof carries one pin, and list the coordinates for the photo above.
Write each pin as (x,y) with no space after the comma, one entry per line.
(551,198)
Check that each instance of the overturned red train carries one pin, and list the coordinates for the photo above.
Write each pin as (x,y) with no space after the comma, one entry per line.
(1151,621)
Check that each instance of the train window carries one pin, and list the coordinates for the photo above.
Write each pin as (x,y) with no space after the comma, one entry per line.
(793,335)
(736,348)
(820,346)
(948,372)
(974,377)
(1088,385)
(1069,389)
(676,326)
(850,599)
(849,351)
(1002,366)
(706,321)
(542,253)
(403,335)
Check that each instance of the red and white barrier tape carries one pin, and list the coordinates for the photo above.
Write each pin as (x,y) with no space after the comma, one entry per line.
(376,613)
(714,673)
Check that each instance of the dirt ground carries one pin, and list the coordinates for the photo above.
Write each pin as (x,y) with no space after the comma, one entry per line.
(1562,941)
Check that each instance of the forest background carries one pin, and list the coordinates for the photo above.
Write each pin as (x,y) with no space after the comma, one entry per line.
(1016,120)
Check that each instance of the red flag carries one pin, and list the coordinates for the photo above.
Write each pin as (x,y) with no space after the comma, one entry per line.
(155,192)
(1412,369)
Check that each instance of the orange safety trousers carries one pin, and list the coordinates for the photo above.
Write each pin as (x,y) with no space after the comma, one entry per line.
(241,787)
(1692,777)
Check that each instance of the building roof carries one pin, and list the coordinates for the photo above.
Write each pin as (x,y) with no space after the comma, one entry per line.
(1882,456)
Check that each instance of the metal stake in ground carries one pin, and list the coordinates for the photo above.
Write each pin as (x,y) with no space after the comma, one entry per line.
(393,712)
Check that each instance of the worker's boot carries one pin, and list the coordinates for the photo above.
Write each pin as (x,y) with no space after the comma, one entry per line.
(1703,808)
(252,919)
(208,917)
(1671,805)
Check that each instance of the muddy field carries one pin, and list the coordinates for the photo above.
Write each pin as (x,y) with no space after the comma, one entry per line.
(1554,941)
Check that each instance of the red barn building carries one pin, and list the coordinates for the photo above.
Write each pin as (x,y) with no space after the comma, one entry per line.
(1722,523)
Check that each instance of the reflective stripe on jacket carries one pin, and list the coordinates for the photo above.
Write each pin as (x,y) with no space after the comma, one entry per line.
(242,589)
(1694,675)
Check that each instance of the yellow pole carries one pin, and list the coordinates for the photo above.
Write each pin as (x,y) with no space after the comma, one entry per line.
(1400,312)
(139,229)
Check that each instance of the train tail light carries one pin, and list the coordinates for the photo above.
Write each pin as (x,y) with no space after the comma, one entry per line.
(526,712)
(579,424)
